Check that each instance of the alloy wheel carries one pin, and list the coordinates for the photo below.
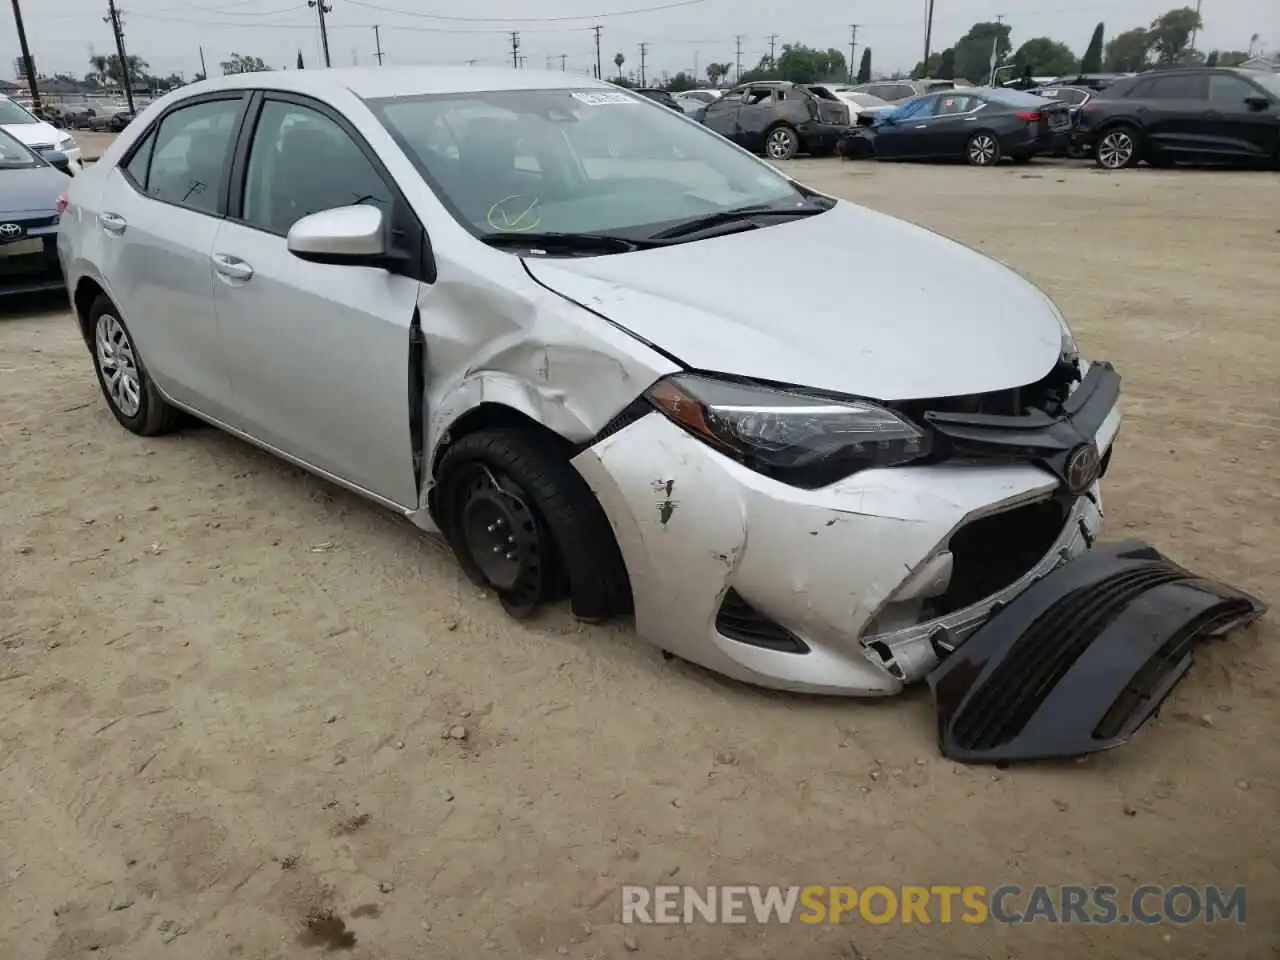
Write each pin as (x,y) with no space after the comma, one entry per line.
(781,144)
(1116,150)
(119,365)
(983,150)
(503,537)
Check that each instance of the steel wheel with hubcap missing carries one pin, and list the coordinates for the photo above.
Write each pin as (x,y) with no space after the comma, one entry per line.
(1117,149)
(119,365)
(782,144)
(504,538)
(983,150)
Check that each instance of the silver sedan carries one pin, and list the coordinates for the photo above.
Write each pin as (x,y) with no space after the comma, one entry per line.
(455,292)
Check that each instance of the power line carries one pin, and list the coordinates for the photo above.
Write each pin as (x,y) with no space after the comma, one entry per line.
(585,16)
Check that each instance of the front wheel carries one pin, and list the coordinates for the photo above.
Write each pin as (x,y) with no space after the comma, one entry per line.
(783,143)
(1117,149)
(522,521)
(983,150)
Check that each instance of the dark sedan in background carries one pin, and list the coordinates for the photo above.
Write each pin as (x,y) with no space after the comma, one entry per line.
(779,119)
(1194,114)
(31,186)
(660,96)
(981,126)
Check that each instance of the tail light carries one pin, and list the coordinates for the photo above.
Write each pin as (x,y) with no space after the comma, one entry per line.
(1031,116)
(61,206)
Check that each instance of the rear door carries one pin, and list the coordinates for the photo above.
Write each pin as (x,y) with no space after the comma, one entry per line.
(318,353)
(757,113)
(1237,127)
(157,216)
(1175,112)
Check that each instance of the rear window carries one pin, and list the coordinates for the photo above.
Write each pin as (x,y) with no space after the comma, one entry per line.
(1014,98)
(1187,86)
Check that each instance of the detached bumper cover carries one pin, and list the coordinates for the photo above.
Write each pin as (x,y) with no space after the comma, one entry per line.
(1082,658)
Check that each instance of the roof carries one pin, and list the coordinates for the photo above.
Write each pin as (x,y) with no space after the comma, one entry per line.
(371,83)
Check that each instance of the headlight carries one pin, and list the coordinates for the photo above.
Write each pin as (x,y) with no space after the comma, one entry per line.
(805,441)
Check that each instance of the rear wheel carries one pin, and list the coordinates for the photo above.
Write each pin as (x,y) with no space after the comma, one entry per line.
(782,143)
(129,390)
(522,521)
(1117,149)
(983,150)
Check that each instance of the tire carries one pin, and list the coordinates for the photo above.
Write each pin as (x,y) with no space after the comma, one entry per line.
(982,150)
(127,387)
(549,517)
(781,143)
(1117,148)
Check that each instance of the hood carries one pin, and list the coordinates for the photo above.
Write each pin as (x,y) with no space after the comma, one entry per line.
(927,317)
(35,134)
(30,191)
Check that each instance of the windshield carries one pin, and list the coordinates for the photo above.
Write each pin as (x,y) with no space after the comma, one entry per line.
(865,100)
(1268,81)
(13,154)
(575,161)
(11,112)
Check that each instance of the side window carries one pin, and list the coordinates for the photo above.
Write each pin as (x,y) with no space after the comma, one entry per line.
(916,110)
(302,162)
(1226,89)
(1187,86)
(190,154)
(140,162)
(949,106)
(758,95)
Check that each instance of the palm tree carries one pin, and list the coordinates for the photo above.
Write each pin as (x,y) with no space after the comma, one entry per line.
(100,64)
(716,72)
(618,61)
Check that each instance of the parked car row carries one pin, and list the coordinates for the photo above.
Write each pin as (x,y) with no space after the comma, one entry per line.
(40,135)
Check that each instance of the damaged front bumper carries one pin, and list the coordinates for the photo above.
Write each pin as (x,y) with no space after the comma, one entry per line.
(1082,658)
(857,588)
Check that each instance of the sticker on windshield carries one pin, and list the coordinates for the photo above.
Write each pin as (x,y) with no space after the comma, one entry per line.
(604,97)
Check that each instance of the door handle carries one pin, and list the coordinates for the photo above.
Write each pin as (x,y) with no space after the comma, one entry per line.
(921,126)
(233,268)
(112,223)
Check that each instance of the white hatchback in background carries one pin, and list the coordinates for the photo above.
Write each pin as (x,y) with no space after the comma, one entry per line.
(606,375)
(37,134)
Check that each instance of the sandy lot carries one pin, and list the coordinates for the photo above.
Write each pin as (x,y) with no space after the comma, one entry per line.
(226,685)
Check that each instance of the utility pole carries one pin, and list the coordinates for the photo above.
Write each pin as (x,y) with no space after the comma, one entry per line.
(563,58)
(738,57)
(204,71)
(597,30)
(928,32)
(1191,48)
(321,9)
(28,64)
(773,39)
(377,40)
(644,48)
(113,18)
(515,50)
(853,45)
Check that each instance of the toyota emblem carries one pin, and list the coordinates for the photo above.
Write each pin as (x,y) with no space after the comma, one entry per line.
(1082,468)
(10,232)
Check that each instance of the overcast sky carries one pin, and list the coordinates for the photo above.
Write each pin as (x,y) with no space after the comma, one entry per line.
(168,34)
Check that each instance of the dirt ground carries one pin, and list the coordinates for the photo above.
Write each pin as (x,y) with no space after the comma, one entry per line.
(227,686)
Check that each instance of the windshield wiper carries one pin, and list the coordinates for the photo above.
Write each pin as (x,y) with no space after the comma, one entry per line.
(740,215)
(553,243)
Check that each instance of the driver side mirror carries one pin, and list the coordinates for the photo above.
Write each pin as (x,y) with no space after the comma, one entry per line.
(1256,102)
(342,236)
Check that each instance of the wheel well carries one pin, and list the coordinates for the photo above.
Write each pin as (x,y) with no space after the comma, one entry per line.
(483,417)
(87,291)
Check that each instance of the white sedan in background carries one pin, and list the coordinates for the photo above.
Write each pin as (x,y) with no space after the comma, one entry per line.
(40,136)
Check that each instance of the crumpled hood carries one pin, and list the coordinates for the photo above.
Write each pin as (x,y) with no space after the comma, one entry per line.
(849,300)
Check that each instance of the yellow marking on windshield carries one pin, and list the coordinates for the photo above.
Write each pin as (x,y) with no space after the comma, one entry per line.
(519,221)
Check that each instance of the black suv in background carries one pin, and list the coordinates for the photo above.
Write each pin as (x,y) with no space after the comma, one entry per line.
(779,119)
(1195,114)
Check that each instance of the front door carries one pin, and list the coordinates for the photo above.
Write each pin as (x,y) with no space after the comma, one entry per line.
(318,354)
(755,116)
(722,114)
(1176,111)
(156,234)
(946,132)
(904,133)
(1238,124)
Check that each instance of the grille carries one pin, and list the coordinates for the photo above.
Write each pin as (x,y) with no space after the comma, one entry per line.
(992,552)
(740,621)
(1041,657)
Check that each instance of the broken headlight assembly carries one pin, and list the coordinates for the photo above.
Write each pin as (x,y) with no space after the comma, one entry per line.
(803,440)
